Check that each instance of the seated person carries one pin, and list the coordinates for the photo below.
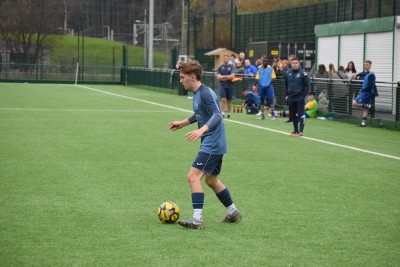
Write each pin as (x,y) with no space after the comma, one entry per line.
(252,101)
(311,106)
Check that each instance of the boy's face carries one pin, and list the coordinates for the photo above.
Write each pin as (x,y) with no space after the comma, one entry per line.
(245,92)
(187,80)
(311,97)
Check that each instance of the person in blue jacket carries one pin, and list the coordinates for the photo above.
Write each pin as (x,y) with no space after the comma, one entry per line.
(367,92)
(252,101)
(297,84)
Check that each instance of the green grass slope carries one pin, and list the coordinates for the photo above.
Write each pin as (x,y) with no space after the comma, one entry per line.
(97,51)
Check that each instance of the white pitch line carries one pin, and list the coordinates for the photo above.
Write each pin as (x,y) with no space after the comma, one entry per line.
(248,124)
(85,110)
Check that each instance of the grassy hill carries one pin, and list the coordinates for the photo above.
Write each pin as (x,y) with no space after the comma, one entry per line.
(98,52)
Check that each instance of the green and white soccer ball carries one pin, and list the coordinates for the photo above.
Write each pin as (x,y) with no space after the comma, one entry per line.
(168,212)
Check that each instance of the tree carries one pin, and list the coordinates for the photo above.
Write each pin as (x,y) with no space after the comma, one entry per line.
(25,27)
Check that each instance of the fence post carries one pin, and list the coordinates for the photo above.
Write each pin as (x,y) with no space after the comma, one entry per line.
(398,101)
(330,95)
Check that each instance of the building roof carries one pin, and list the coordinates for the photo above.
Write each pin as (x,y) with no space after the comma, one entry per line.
(219,51)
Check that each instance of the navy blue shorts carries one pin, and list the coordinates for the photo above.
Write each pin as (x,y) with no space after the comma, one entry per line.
(226,93)
(363,98)
(208,163)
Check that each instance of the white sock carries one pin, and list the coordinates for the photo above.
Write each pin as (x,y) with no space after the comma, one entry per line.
(231,209)
(198,214)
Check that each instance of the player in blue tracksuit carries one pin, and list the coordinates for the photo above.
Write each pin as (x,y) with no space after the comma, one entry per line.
(252,101)
(213,146)
(297,84)
(367,91)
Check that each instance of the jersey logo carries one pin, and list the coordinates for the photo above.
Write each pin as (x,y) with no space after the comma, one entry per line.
(298,75)
(196,105)
(199,164)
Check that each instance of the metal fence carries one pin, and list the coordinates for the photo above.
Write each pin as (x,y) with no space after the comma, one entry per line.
(297,24)
(42,73)
(339,94)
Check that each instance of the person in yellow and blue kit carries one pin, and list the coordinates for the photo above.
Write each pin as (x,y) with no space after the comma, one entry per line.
(264,77)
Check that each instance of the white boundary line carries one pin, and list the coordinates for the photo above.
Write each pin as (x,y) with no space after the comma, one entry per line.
(85,110)
(247,124)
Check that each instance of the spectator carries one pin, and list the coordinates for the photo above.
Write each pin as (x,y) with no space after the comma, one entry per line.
(233,59)
(311,106)
(275,64)
(320,84)
(323,104)
(242,58)
(332,71)
(282,67)
(225,75)
(250,69)
(263,83)
(350,70)
(340,91)
(239,69)
(297,85)
(368,90)
(258,63)
(321,73)
(252,102)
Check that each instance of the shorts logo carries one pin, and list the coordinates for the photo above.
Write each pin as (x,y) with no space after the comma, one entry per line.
(199,164)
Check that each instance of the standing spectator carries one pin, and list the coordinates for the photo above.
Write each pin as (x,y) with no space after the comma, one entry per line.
(340,91)
(258,63)
(297,84)
(211,131)
(233,59)
(263,83)
(282,67)
(321,73)
(332,71)
(242,58)
(239,69)
(350,70)
(321,85)
(367,91)
(250,69)
(275,64)
(225,75)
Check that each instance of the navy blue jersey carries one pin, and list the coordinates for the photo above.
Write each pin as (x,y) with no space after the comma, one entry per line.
(206,111)
(225,70)
(252,98)
(297,83)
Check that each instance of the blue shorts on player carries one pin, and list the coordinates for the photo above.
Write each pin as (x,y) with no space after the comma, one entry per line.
(208,163)
(226,92)
(266,92)
(363,98)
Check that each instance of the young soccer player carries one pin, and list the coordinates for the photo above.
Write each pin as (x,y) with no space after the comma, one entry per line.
(213,146)
(367,91)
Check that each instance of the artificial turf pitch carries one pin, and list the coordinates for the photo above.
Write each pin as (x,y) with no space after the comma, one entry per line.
(82,173)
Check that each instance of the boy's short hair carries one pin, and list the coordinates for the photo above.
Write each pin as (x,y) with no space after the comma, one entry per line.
(191,67)
(311,93)
(368,61)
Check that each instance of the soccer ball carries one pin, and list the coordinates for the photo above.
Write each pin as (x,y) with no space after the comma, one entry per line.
(168,212)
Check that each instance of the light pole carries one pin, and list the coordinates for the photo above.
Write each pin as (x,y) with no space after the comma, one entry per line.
(142,25)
